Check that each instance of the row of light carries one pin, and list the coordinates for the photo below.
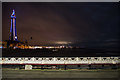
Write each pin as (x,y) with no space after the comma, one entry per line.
(40,47)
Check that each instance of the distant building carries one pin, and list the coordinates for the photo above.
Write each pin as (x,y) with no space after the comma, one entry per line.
(3,44)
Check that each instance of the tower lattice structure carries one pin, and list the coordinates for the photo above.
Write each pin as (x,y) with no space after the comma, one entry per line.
(13,33)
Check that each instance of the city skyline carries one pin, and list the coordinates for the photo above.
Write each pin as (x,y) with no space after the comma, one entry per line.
(83,24)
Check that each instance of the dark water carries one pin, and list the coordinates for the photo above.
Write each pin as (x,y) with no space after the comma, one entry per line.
(74,52)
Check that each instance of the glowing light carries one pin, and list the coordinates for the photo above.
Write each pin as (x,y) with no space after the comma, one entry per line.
(63,42)
(15,47)
(15,37)
(37,47)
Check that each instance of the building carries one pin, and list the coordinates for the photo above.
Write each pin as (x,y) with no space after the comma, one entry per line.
(13,33)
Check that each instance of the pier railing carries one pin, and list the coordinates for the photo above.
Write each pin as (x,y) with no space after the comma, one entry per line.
(59,60)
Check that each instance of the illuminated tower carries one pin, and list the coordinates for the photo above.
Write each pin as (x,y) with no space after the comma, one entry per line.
(13,33)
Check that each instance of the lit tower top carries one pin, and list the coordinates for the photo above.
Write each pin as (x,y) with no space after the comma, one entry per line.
(13,33)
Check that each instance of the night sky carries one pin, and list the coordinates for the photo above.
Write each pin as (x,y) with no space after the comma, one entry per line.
(79,24)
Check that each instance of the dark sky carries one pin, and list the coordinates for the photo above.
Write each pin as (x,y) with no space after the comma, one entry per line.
(83,24)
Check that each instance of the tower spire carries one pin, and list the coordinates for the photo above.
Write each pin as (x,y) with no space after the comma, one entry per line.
(13,13)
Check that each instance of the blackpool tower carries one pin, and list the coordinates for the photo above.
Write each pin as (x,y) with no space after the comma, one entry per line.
(13,33)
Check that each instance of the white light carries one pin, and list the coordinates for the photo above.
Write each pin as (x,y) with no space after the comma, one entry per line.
(63,42)
(1,47)
(15,37)
(37,47)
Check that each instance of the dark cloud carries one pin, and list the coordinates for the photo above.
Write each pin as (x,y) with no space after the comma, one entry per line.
(72,22)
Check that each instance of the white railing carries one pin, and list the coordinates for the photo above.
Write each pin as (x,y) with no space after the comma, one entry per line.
(60,60)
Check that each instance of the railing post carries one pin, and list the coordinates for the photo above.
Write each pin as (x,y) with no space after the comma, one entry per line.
(102,66)
(65,67)
(89,66)
(42,66)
